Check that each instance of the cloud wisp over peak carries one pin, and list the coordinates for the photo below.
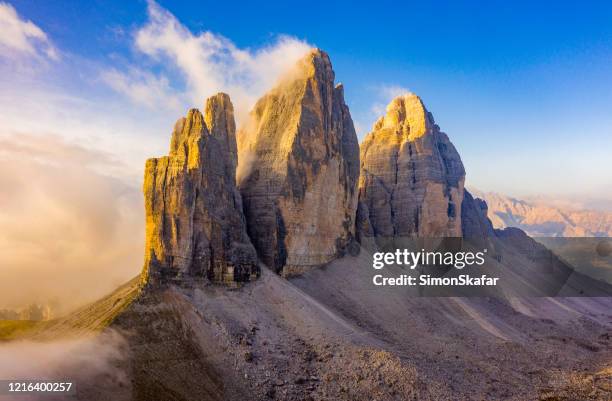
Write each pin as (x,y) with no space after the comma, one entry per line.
(206,63)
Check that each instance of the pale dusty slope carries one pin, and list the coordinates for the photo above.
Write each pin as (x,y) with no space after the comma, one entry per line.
(327,335)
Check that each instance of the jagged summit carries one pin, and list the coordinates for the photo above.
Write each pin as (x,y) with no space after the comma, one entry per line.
(315,63)
(411,182)
(194,222)
(299,165)
(408,114)
(219,117)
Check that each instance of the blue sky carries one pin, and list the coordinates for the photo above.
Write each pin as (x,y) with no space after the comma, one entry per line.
(523,90)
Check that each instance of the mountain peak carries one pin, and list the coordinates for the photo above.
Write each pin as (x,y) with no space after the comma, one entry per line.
(406,114)
(301,146)
(318,56)
(187,130)
(315,64)
(219,118)
(412,177)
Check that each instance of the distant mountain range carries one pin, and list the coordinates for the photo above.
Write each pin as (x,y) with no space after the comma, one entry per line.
(540,218)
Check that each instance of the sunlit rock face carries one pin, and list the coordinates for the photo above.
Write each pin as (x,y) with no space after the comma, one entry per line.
(411,182)
(195,227)
(298,169)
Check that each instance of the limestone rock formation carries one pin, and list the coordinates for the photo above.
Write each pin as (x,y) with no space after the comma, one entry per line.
(194,221)
(411,182)
(299,166)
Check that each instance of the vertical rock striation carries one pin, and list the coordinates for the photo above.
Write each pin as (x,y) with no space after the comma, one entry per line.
(194,222)
(299,166)
(411,182)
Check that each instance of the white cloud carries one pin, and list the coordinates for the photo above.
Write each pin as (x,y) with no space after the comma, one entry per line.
(390,92)
(128,132)
(73,162)
(89,359)
(63,221)
(143,87)
(384,95)
(18,36)
(210,63)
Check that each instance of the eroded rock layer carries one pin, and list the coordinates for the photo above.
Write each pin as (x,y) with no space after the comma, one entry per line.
(299,166)
(194,221)
(411,182)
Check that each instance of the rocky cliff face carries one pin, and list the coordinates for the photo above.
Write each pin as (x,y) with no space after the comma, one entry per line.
(411,182)
(474,221)
(194,222)
(299,166)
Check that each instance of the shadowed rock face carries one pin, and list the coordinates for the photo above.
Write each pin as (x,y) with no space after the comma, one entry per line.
(194,221)
(411,182)
(299,166)
(474,220)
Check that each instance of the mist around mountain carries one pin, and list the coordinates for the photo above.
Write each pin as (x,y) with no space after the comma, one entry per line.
(256,283)
(33,311)
(545,218)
